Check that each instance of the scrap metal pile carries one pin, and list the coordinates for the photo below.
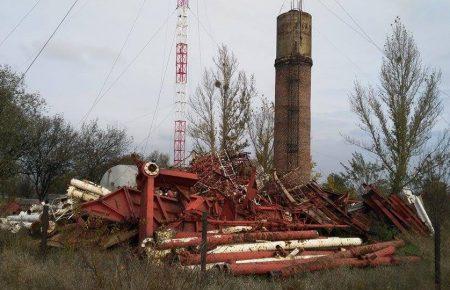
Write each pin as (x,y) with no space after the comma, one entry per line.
(279,228)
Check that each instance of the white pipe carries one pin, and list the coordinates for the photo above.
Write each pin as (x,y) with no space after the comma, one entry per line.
(73,192)
(418,203)
(288,245)
(24,217)
(420,209)
(293,253)
(232,230)
(237,229)
(90,187)
(208,266)
(215,233)
(276,259)
(213,265)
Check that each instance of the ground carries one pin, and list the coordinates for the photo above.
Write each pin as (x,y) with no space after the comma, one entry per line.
(22,267)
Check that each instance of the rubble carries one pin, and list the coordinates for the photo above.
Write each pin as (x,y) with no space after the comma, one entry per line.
(281,227)
(395,210)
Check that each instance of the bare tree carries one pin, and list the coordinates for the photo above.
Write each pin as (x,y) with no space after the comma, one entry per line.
(49,150)
(202,126)
(399,115)
(97,149)
(261,132)
(221,106)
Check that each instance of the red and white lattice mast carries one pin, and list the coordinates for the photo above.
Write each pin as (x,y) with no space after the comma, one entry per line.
(181,83)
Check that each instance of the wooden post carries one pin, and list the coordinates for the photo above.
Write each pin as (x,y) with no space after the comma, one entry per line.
(437,252)
(44,230)
(204,246)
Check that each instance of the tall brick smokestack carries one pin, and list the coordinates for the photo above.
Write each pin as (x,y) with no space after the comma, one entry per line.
(293,94)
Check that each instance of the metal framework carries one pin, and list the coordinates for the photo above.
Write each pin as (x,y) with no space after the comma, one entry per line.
(181,79)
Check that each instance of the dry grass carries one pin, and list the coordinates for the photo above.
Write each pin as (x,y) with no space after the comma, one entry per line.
(21,267)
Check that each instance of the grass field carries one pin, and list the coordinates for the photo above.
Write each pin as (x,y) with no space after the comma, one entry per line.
(22,267)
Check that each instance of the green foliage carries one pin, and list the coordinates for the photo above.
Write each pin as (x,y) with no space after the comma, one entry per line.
(160,158)
(437,200)
(50,146)
(338,183)
(410,249)
(359,171)
(17,108)
(383,230)
(97,149)
(399,115)
(39,153)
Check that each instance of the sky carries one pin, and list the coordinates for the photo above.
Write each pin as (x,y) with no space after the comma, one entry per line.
(72,69)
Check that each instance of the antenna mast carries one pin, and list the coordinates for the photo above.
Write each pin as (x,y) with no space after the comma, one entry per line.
(297,5)
(181,83)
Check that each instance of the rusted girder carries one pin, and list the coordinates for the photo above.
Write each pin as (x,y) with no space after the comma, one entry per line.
(237,238)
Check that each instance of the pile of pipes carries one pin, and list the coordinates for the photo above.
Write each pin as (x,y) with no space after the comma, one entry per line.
(280,254)
(61,208)
(86,190)
(281,227)
(14,223)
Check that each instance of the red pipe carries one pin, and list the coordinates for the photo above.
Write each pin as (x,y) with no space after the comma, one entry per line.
(353,262)
(275,268)
(261,268)
(353,252)
(190,259)
(276,224)
(227,239)
(388,251)
(147,209)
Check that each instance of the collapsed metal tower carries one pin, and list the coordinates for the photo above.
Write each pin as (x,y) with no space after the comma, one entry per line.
(181,79)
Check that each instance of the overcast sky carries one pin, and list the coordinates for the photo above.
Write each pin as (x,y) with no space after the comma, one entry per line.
(72,69)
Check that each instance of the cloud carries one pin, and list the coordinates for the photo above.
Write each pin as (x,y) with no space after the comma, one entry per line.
(73,66)
(79,54)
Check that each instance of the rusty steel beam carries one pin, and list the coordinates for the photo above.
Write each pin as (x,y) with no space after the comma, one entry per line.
(194,259)
(176,177)
(228,239)
(409,215)
(350,253)
(252,191)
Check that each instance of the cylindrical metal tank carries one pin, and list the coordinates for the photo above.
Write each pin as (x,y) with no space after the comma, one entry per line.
(120,176)
(293,64)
